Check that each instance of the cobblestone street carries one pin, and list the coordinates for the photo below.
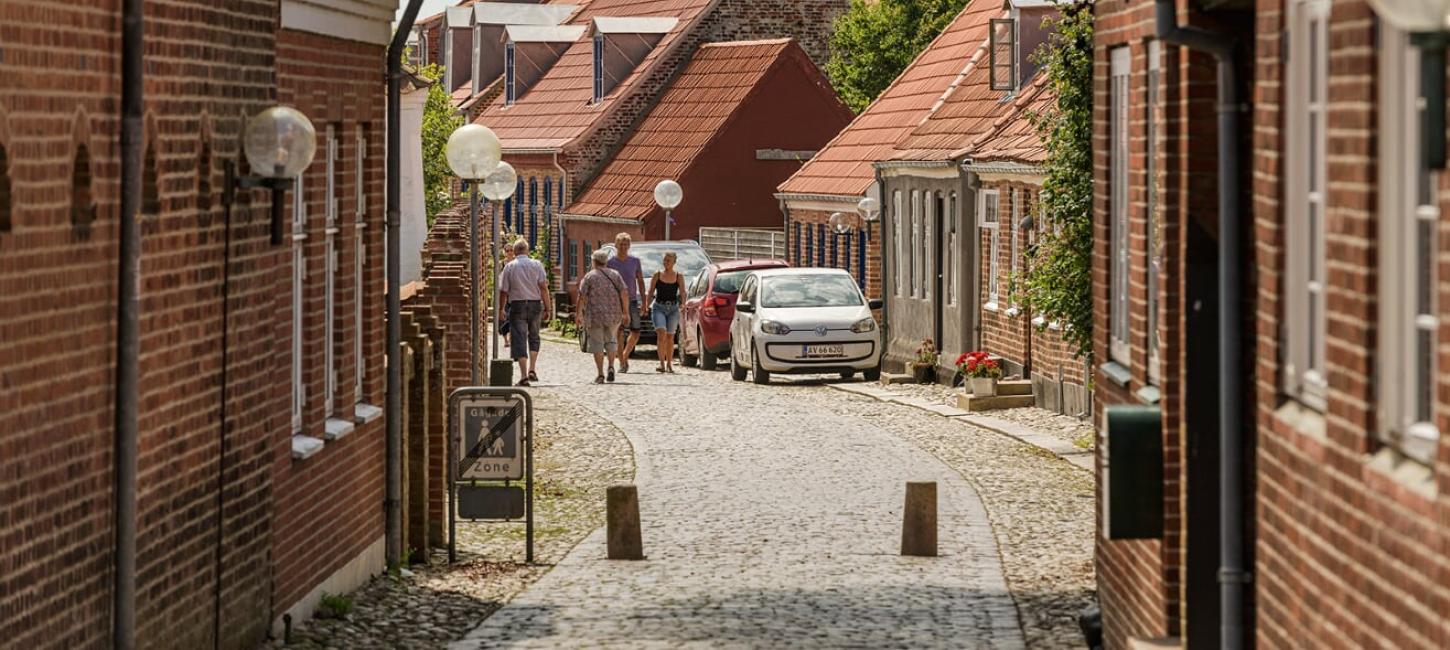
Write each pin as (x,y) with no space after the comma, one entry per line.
(771,517)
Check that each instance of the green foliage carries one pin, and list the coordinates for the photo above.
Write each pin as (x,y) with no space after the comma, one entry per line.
(1059,281)
(334,606)
(874,40)
(440,119)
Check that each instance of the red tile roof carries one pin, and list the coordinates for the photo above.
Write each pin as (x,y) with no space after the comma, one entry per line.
(695,110)
(967,110)
(556,111)
(843,167)
(1013,137)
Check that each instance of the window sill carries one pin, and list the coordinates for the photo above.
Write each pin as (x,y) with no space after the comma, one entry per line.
(364,413)
(1013,311)
(1148,395)
(1302,420)
(1116,372)
(1406,472)
(304,447)
(336,429)
(1040,321)
(991,306)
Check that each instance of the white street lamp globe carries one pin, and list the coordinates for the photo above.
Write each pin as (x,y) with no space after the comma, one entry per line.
(473,152)
(501,184)
(1415,15)
(869,209)
(669,194)
(279,142)
(840,223)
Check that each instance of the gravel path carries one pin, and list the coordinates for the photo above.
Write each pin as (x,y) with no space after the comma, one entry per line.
(577,456)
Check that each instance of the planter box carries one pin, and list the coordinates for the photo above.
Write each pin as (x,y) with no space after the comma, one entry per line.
(983,386)
(924,374)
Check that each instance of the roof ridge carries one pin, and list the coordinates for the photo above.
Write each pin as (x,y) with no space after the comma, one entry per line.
(761,41)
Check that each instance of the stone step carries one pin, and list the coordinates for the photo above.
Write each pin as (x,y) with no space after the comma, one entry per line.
(996,402)
(890,378)
(1014,387)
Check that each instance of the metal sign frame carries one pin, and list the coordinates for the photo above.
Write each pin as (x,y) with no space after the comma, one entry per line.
(456,399)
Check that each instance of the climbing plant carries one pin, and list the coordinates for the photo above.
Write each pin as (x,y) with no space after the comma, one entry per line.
(1058,284)
(440,119)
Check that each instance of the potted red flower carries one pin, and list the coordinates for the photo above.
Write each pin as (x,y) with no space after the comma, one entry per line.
(981,371)
(923,367)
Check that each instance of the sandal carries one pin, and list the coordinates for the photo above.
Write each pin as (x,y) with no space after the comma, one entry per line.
(523,383)
(610,376)
(623,367)
(533,376)
(660,369)
(670,370)
(599,379)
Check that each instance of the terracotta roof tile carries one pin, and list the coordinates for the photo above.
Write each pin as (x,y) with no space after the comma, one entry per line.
(556,110)
(689,116)
(843,167)
(1013,137)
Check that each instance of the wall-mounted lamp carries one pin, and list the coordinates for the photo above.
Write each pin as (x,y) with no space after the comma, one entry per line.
(279,143)
(1428,22)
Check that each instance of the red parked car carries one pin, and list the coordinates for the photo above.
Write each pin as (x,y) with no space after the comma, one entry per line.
(705,319)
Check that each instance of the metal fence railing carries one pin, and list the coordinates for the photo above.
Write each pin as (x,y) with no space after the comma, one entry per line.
(725,244)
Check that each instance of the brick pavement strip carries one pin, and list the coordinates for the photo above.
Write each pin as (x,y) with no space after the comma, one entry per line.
(770,518)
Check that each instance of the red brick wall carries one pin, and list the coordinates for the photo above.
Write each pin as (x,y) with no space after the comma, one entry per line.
(59,88)
(329,507)
(1347,554)
(1003,333)
(804,249)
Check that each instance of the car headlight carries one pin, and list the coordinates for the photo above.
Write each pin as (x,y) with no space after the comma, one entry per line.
(772,327)
(864,325)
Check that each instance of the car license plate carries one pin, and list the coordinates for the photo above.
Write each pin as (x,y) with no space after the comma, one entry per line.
(822,351)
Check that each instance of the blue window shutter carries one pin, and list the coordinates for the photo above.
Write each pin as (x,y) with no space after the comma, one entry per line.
(533,212)
(796,243)
(519,209)
(861,256)
(810,234)
(821,244)
(835,244)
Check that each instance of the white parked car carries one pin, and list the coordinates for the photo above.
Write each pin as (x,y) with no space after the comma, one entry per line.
(803,321)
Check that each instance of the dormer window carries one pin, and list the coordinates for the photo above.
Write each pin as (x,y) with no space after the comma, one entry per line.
(621,44)
(598,68)
(477,59)
(1002,55)
(510,87)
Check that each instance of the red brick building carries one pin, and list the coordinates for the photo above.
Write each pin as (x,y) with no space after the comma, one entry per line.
(1342,503)
(719,131)
(230,516)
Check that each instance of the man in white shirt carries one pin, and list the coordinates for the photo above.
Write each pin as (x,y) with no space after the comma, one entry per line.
(524,287)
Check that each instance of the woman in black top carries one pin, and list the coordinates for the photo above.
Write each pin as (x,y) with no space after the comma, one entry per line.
(666,294)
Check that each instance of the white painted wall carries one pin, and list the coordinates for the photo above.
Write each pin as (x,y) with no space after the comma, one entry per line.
(414,214)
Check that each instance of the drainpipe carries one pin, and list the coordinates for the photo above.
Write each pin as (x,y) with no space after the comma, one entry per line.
(394,408)
(1232,575)
(128,328)
(885,292)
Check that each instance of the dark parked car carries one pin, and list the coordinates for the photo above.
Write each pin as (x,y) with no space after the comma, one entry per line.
(705,319)
(690,261)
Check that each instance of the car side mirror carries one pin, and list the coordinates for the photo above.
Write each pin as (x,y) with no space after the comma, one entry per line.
(875,303)
(745,307)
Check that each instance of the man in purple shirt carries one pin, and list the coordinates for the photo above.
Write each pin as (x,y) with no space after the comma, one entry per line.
(628,268)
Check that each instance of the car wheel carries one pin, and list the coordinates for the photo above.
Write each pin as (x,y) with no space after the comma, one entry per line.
(757,374)
(872,374)
(737,371)
(708,360)
(848,374)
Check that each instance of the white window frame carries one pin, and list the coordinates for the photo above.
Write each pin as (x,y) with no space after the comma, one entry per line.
(1017,199)
(360,226)
(1305,172)
(1154,253)
(1120,106)
(928,244)
(950,219)
(329,261)
(476,69)
(990,210)
(448,56)
(299,286)
(1409,216)
(914,249)
(898,219)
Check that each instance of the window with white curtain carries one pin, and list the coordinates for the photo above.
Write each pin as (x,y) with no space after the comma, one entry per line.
(990,211)
(928,244)
(1119,349)
(898,217)
(1409,241)
(329,261)
(299,285)
(950,219)
(1304,199)
(915,250)
(360,226)
(1018,197)
(1154,255)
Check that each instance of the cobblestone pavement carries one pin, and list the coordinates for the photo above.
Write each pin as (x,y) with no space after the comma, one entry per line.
(771,517)
(577,456)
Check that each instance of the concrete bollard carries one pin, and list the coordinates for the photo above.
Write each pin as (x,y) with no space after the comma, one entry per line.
(918,525)
(622,512)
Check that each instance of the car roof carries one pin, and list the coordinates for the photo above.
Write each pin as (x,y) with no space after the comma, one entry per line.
(770,273)
(656,244)
(747,264)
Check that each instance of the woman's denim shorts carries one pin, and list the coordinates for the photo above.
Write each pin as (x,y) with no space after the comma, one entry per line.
(666,316)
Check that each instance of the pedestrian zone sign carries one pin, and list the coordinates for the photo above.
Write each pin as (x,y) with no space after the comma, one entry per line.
(493,429)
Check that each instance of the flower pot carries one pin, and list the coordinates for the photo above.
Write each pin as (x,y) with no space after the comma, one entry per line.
(924,374)
(984,386)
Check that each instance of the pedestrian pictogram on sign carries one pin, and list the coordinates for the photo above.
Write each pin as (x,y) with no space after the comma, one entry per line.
(493,433)
(491,438)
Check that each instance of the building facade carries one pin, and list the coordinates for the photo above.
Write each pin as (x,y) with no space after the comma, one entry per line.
(229,517)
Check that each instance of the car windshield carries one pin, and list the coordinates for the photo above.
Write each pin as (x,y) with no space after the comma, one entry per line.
(792,291)
(690,260)
(730,281)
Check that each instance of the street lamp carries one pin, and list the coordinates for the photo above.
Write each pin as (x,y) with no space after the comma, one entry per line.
(279,143)
(669,195)
(869,209)
(1428,22)
(841,224)
(499,186)
(473,152)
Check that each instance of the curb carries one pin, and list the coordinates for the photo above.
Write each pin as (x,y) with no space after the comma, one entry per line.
(1069,453)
